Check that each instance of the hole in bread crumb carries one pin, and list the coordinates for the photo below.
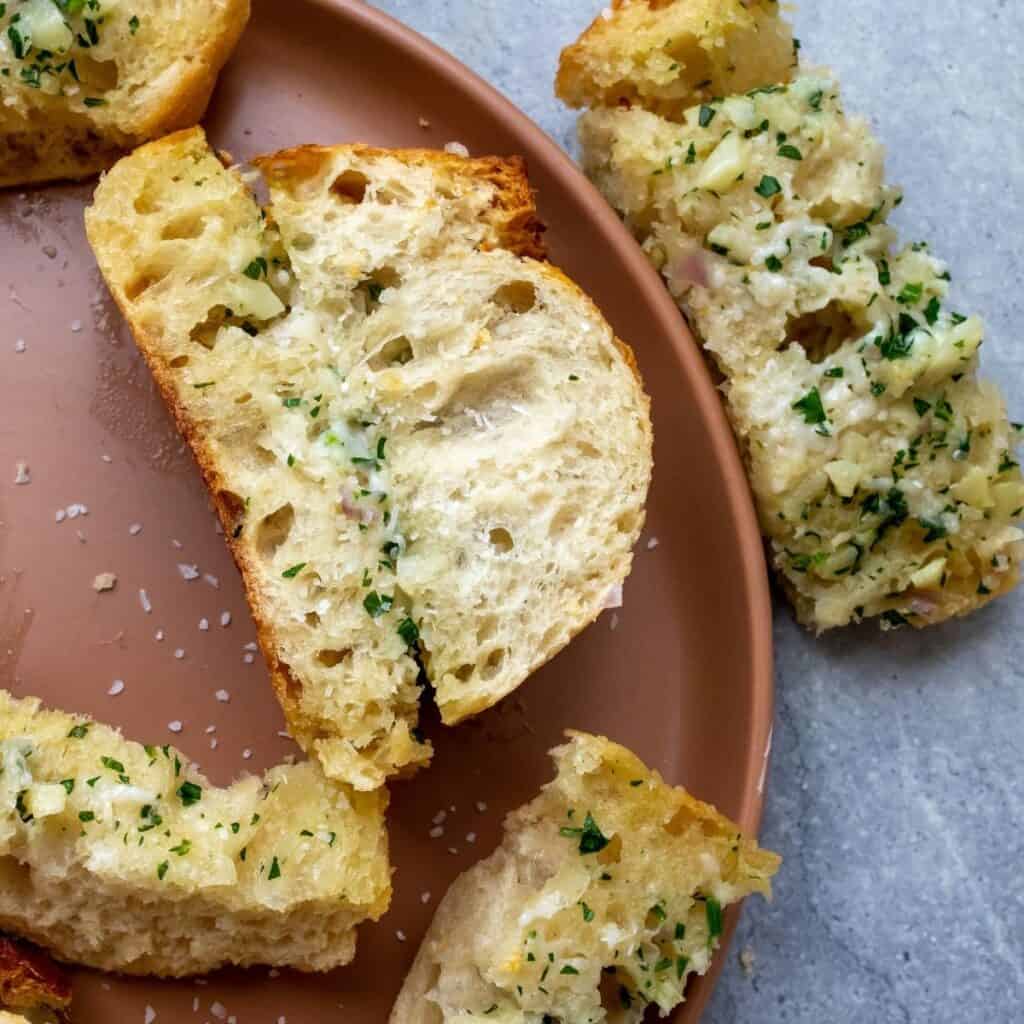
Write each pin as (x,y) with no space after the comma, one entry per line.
(331,659)
(232,512)
(138,286)
(96,75)
(516,296)
(303,242)
(492,666)
(563,520)
(274,530)
(372,287)
(587,450)
(396,352)
(501,540)
(189,226)
(822,332)
(205,332)
(246,396)
(487,628)
(312,619)
(178,362)
(464,673)
(350,187)
(628,522)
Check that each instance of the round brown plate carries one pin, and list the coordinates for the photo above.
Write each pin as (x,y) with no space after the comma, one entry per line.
(681,673)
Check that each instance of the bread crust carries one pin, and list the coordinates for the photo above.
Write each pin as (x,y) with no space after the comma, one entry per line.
(30,980)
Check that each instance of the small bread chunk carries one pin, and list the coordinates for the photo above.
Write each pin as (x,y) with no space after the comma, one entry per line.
(667,55)
(81,82)
(428,450)
(604,897)
(31,982)
(883,468)
(119,856)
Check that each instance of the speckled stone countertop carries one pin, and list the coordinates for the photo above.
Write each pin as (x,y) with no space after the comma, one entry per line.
(895,792)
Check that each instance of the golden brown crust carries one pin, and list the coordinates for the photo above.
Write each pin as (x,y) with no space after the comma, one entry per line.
(514,213)
(30,980)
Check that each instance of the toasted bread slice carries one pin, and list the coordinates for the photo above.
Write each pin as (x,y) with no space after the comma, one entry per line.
(80,83)
(425,445)
(31,983)
(666,55)
(607,890)
(883,467)
(120,856)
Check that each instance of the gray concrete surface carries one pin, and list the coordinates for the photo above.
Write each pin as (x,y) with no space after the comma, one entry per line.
(895,789)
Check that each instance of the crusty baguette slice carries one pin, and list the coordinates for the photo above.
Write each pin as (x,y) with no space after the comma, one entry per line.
(31,983)
(424,445)
(883,467)
(606,893)
(81,82)
(120,856)
(667,55)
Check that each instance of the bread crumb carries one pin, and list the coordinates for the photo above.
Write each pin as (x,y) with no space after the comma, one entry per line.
(116,688)
(22,474)
(104,581)
(456,149)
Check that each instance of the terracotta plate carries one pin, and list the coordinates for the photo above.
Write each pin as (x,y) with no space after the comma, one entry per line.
(682,673)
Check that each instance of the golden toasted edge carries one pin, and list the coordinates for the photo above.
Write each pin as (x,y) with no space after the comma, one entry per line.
(30,980)
(513,214)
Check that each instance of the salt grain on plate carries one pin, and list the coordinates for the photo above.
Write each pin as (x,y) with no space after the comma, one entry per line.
(195,1004)
(211,728)
(248,658)
(424,123)
(456,149)
(179,653)
(436,832)
(223,696)
(106,458)
(424,897)
(159,635)
(471,837)
(147,607)
(219,1010)
(135,529)
(439,817)
(104,581)
(175,726)
(22,474)
(481,806)
(453,851)
(204,625)
(76,509)
(116,687)
(149,1016)
(60,515)
(400,935)
(212,580)
(225,619)
(188,572)
(177,545)
(652,543)
(19,345)
(76,326)
(614,624)
(247,753)
(251,646)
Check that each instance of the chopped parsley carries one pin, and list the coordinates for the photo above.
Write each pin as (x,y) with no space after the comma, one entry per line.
(133,24)
(409,632)
(275,870)
(835,373)
(790,152)
(290,574)
(189,793)
(79,732)
(713,909)
(768,187)
(706,115)
(773,263)
(256,269)
(910,295)
(811,408)
(376,604)
(592,839)
(161,869)
(921,407)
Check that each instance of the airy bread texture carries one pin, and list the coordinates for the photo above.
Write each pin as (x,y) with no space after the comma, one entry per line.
(667,55)
(884,469)
(425,447)
(120,856)
(604,897)
(30,982)
(81,81)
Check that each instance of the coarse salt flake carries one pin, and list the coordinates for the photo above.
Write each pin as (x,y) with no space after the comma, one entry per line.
(147,605)
(223,696)
(104,581)
(22,474)
(225,619)
(456,149)
(188,572)
(175,726)
(135,529)
(116,687)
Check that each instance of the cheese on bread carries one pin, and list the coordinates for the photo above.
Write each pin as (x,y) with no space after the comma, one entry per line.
(121,856)
(604,897)
(428,449)
(884,468)
(81,82)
